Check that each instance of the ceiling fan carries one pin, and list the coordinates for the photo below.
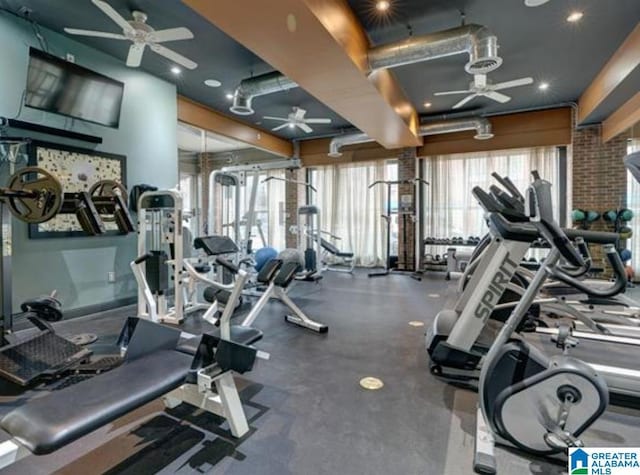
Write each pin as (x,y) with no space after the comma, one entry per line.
(141,35)
(297,119)
(481,88)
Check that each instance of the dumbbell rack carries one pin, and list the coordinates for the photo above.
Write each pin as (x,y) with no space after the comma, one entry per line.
(450,264)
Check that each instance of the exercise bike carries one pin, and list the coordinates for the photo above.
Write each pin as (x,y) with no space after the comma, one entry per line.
(526,399)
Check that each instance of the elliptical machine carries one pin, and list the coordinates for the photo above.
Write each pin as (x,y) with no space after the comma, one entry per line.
(526,399)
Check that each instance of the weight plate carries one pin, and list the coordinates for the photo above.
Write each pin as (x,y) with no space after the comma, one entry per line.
(107,188)
(46,200)
(83,339)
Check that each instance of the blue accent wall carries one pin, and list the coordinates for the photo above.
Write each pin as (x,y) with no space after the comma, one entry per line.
(77,267)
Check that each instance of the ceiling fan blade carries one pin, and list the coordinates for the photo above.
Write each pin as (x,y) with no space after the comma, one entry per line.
(497,96)
(114,15)
(514,83)
(172,34)
(134,58)
(535,3)
(173,56)
(279,127)
(279,119)
(317,121)
(96,34)
(305,127)
(450,93)
(464,101)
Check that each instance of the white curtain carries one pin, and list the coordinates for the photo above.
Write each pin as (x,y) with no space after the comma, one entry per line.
(451,209)
(633,203)
(349,209)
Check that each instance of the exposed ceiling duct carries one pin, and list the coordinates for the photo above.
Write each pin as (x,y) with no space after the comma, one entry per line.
(481,125)
(347,139)
(477,41)
(258,86)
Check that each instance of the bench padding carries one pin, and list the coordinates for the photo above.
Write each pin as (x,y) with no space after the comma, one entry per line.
(239,334)
(333,249)
(48,423)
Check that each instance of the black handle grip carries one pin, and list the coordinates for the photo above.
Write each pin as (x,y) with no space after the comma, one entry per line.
(142,258)
(508,185)
(230,266)
(618,286)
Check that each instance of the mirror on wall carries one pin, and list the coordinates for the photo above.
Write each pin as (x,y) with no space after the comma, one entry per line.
(200,153)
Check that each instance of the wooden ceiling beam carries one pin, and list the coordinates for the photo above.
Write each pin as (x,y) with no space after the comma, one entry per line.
(621,64)
(201,116)
(622,119)
(321,46)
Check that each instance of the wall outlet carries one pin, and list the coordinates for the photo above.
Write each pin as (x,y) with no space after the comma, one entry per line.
(71,58)
(111,277)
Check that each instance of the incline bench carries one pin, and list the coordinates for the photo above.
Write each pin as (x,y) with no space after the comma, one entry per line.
(347,260)
(155,364)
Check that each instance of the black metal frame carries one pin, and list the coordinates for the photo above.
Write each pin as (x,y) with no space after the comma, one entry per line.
(34,230)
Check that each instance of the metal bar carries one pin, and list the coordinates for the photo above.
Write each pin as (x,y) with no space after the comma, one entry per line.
(562,185)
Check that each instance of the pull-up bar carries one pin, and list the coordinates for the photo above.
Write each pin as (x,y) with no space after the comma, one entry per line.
(413,181)
(296,182)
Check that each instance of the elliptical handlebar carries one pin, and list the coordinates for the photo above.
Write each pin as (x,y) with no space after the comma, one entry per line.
(539,208)
(508,185)
(619,285)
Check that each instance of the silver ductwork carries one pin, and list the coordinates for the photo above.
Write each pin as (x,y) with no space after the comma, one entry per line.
(258,86)
(348,139)
(477,41)
(481,125)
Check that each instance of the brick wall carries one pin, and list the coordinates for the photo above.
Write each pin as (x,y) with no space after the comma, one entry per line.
(406,171)
(293,200)
(599,175)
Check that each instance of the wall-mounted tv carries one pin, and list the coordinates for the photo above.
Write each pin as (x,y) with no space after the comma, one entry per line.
(58,86)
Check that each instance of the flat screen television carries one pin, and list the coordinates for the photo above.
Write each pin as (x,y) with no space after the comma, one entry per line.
(58,86)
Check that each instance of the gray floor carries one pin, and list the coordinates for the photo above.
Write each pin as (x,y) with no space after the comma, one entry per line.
(307,412)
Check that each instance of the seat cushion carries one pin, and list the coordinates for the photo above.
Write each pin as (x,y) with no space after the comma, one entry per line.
(239,334)
(48,423)
(211,294)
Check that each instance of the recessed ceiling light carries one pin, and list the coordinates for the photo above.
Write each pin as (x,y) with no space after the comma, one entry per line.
(574,17)
(427,104)
(212,83)
(383,5)
(543,86)
(176,70)
(229,96)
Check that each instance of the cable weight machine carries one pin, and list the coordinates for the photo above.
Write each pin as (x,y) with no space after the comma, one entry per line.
(407,210)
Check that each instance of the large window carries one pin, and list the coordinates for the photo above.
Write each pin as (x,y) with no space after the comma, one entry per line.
(633,203)
(269,224)
(353,211)
(450,208)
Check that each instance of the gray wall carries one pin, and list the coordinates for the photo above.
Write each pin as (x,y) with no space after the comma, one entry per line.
(77,267)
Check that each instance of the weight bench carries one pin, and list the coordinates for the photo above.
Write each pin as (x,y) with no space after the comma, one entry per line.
(329,248)
(155,365)
(277,288)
